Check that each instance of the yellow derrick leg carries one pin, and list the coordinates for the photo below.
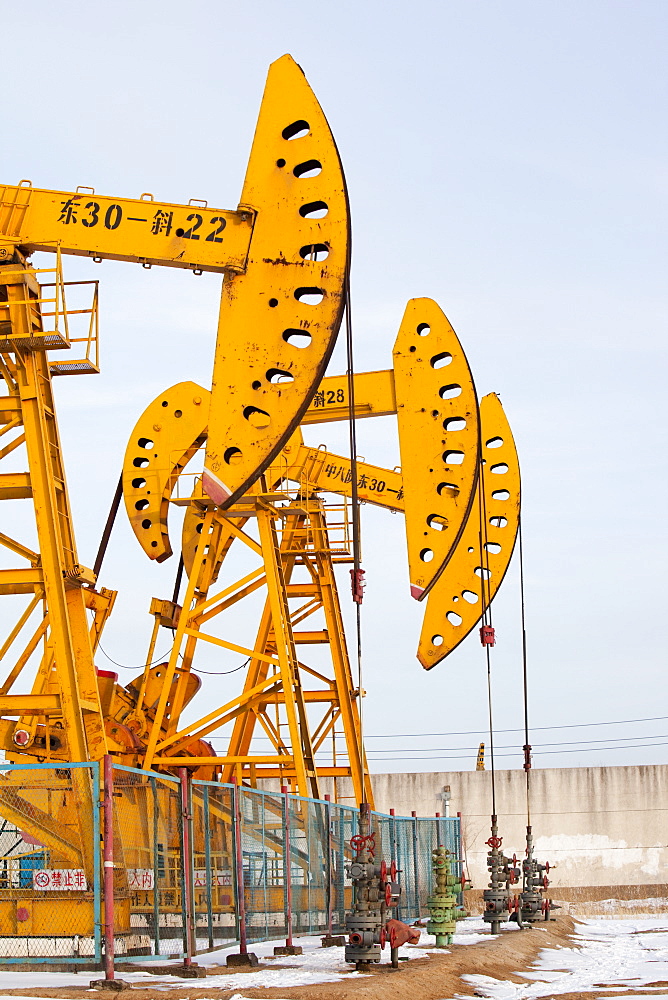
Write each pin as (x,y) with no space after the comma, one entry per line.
(64,692)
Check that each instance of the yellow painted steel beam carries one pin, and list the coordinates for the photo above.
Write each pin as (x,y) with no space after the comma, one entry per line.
(10,409)
(283,640)
(152,465)
(272,772)
(208,761)
(323,470)
(58,578)
(374,397)
(143,231)
(30,704)
(19,549)
(16,631)
(279,320)
(197,634)
(29,648)
(330,696)
(15,486)
(311,638)
(477,568)
(21,581)
(348,704)
(437,418)
(189,732)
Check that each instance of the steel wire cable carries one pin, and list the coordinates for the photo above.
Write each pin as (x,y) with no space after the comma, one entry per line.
(126,666)
(576,744)
(482,732)
(357,559)
(527,748)
(486,617)
(106,534)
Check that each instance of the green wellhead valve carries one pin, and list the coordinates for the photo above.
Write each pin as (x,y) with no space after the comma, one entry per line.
(443,906)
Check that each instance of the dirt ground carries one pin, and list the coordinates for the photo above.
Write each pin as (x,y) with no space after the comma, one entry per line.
(433,978)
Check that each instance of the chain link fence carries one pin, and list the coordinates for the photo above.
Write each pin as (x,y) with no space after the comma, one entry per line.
(149,870)
(50,895)
(196,864)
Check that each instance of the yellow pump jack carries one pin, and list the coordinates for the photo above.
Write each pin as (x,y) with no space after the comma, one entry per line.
(284,253)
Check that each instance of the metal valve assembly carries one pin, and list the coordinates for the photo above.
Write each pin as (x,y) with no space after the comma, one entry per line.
(443,906)
(533,906)
(376,891)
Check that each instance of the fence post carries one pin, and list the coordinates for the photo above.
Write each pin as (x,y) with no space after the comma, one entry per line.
(416,870)
(287,868)
(328,869)
(207,862)
(108,867)
(186,817)
(460,855)
(156,867)
(97,861)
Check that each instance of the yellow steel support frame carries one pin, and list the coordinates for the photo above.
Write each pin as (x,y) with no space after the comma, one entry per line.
(65,684)
(273,694)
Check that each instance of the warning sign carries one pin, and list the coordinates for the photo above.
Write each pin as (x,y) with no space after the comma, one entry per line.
(59,879)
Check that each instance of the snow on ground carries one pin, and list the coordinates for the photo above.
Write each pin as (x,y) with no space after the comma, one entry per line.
(610,953)
(316,965)
(471,930)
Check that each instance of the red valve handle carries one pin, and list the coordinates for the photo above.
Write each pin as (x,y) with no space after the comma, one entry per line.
(388,897)
(512,878)
(514,860)
(393,871)
(383,937)
(383,871)
(495,842)
(547,867)
(358,842)
(463,880)
(546,881)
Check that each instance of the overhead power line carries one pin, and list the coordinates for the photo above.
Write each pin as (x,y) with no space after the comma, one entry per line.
(518,753)
(481,732)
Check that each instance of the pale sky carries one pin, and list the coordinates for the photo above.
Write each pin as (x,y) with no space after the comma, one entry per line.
(506,159)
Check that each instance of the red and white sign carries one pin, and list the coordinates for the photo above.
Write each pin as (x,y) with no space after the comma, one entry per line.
(217,877)
(59,879)
(141,878)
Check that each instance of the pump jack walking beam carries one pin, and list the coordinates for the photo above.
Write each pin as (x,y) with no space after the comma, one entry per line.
(292,218)
(285,254)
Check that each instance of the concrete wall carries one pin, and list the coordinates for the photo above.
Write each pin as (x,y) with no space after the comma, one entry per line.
(599,826)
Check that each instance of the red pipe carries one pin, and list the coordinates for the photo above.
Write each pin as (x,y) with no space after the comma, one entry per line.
(108,814)
(241,892)
(187,866)
(288,868)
